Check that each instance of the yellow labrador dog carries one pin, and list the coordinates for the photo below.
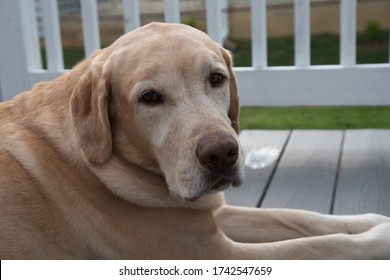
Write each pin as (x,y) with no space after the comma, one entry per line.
(126,155)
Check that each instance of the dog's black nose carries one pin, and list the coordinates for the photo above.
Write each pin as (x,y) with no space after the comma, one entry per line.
(217,151)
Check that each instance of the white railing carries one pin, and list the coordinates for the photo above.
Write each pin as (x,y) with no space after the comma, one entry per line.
(260,85)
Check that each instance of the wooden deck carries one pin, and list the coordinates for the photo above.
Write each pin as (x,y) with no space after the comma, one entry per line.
(329,171)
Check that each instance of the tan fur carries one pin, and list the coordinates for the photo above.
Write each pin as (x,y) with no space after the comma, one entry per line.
(87,170)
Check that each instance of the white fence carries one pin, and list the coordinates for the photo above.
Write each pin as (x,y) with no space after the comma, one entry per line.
(260,85)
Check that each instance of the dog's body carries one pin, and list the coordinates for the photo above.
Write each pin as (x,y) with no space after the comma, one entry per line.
(126,155)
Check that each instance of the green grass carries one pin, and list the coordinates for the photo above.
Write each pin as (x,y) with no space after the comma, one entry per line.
(71,57)
(315,118)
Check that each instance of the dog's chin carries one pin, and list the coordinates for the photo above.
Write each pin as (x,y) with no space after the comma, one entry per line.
(197,195)
(220,185)
(205,189)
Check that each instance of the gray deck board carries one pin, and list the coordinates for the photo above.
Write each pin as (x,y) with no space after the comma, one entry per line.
(330,171)
(306,173)
(364,181)
(255,179)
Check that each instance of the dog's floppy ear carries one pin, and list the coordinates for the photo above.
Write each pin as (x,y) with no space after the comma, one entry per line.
(234,109)
(89,111)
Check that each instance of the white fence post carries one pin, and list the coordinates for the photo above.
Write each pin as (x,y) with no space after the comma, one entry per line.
(13,60)
(259,33)
(131,15)
(214,20)
(172,11)
(51,29)
(302,32)
(348,32)
(30,34)
(225,18)
(89,17)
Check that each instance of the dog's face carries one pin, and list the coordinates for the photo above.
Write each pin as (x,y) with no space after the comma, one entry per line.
(173,108)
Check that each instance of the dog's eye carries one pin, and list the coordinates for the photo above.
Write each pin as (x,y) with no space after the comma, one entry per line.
(151,97)
(216,79)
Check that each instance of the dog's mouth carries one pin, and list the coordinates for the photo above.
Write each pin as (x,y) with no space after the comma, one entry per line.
(220,185)
(213,186)
(222,181)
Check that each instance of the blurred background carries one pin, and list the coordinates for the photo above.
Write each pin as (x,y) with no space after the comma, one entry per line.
(373,21)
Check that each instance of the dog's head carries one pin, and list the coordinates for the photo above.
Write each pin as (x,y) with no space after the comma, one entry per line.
(163,97)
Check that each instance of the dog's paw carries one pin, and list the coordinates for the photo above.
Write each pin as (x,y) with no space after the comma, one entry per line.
(378,241)
(377,218)
(362,223)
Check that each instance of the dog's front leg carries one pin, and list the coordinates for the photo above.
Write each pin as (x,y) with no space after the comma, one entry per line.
(255,225)
(372,244)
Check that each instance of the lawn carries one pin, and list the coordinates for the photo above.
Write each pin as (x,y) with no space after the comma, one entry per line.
(372,47)
(315,118)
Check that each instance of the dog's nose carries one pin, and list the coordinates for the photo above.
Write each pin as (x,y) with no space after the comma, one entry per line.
(217,151)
